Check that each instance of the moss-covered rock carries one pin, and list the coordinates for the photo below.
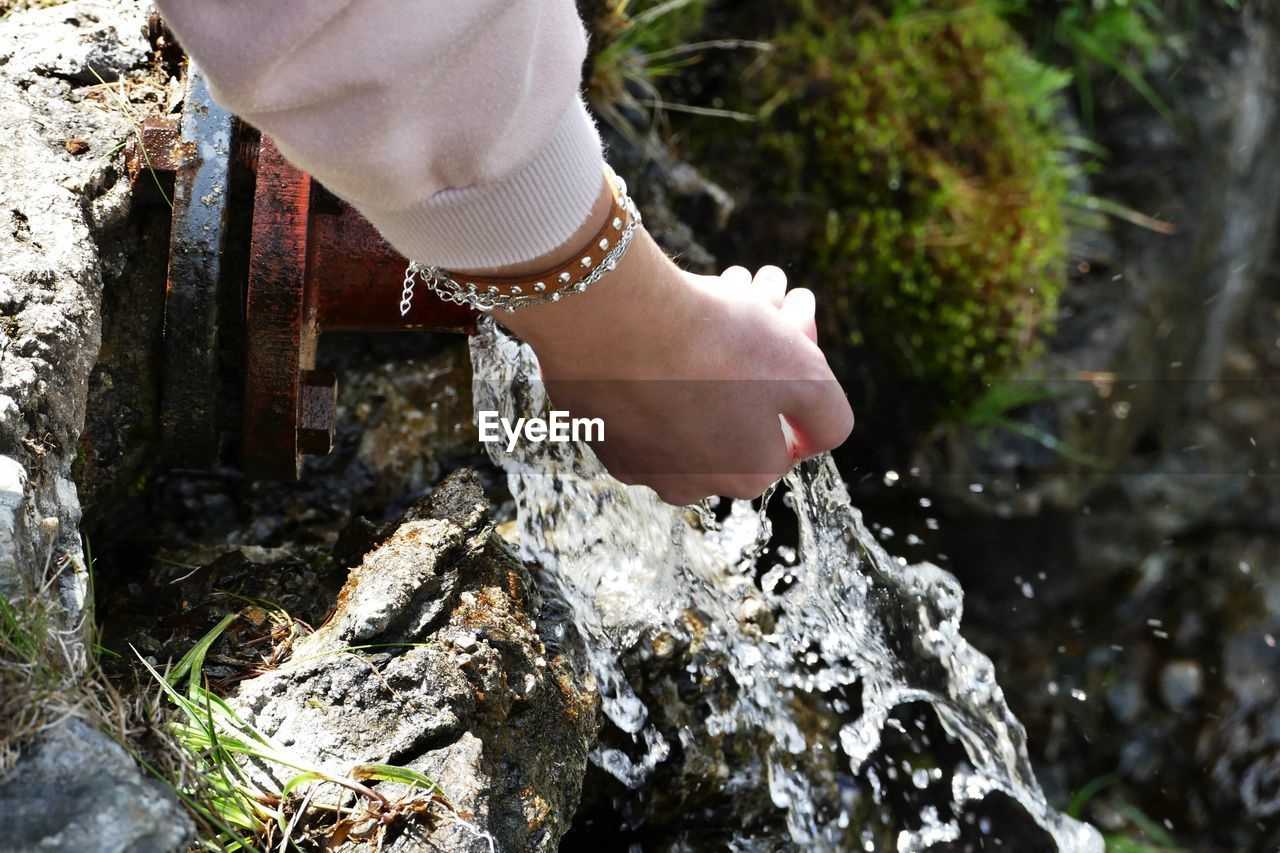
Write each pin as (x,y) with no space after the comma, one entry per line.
(924,136)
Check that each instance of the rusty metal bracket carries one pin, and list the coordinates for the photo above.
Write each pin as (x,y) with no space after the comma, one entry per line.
(314,266)
(280,319)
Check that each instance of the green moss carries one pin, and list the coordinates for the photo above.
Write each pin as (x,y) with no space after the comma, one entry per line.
(928,138)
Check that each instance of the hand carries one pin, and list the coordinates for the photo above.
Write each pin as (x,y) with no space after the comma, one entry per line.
(706,384)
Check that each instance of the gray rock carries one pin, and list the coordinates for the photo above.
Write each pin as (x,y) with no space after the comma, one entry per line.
(1126,701)
(1181,683)
(1243,743)
(60,192)
(79,791)
(461,677)
(77,42)
(53,204)
(13,512)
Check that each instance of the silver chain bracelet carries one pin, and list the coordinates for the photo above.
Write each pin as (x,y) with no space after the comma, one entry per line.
(449,289)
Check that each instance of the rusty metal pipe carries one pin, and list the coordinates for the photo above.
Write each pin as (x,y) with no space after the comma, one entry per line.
(357,277)
(314,265)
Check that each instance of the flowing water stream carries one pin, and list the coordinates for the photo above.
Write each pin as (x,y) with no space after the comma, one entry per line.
(837,624)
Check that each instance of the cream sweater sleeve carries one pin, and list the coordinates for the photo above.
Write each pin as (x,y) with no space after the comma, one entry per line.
(455,126)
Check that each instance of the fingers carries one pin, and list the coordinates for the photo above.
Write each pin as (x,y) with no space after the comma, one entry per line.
(746,456)
(821,423)
(799,308)
(793,441)
(770,284)
(737,278)
(682,491)
(819,417)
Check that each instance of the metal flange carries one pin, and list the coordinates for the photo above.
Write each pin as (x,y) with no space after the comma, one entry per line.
(189,386)
(280,324)
(309,264)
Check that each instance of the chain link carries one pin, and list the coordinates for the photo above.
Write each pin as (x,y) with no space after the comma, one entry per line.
(406,293)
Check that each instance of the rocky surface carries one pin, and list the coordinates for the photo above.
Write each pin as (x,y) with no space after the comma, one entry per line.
(78,791)
(59,190)
(455,673)
(60,194)
(1136,636)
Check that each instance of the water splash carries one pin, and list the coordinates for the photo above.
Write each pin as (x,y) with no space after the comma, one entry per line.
(844,620)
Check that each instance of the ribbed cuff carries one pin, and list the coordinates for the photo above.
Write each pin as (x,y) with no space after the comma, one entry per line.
(509,221)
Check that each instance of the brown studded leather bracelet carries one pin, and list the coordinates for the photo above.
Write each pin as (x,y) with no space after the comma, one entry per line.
(599,257)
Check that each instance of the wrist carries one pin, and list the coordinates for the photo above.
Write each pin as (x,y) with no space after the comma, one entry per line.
(595,326)
(502,288)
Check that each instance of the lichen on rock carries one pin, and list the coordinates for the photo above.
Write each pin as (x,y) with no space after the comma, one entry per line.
(53,205)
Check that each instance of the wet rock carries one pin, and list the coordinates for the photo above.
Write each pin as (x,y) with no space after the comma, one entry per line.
(465,680)
(1126,701)
(79,791)
(1245,743)
(705,769)
(406,410)
(1181,683)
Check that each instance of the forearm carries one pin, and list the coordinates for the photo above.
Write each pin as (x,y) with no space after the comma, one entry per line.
(455,127)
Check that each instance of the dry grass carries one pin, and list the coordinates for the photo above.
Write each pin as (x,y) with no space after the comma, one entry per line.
(39,675)
(48,671)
